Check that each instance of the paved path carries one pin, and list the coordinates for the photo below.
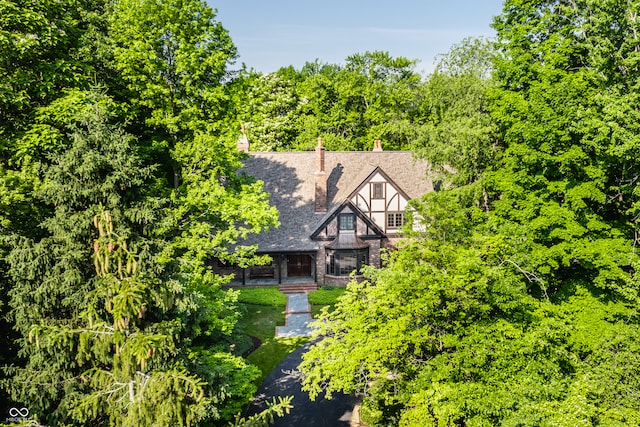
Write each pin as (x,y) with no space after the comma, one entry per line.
(285,381)
(298,317)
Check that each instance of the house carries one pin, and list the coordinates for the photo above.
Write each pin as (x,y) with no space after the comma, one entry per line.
(337,210)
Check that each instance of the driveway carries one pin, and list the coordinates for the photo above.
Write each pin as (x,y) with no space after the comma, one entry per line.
(285,381)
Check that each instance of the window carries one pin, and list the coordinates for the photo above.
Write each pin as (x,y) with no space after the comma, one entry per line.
(364,258)
(347,264)
(344,262)
(395,220)
(347,221)
(377,190)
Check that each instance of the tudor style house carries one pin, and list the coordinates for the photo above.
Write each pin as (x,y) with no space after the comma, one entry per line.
(337,210)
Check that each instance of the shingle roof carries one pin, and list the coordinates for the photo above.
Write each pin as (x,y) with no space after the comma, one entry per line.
(290,181)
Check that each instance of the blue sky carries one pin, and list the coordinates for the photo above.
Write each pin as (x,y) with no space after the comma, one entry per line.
(270,34)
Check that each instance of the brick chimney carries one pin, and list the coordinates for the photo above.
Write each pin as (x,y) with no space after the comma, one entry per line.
(321,180)
(243,141)
(377,145)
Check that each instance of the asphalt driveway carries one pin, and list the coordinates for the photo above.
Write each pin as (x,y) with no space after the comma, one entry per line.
(285,381)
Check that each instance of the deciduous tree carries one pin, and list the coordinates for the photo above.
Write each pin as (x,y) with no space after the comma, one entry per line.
(523,312)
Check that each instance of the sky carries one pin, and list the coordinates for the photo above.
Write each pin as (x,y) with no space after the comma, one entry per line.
(270,34)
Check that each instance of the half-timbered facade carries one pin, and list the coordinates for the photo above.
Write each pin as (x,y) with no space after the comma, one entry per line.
(382,200)
(337,211)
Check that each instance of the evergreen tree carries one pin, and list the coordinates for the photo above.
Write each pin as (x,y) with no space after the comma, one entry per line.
(129,365)
(57,299)
(47,47)
(51,275)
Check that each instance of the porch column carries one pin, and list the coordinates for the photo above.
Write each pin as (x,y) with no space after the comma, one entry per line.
(314,266)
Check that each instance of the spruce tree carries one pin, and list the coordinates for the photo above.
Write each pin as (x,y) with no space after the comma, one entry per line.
(51,276)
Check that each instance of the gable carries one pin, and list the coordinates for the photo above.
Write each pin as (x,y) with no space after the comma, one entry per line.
(364,227)
(378,196)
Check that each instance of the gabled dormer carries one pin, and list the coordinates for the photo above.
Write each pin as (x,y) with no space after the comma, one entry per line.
(382,201)
(347,219)
(351,240)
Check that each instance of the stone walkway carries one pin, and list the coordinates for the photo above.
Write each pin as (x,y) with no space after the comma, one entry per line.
(298,317)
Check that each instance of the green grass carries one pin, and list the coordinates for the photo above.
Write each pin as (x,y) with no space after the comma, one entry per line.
(265,309)
(326,295)
(261,321)
(270,296)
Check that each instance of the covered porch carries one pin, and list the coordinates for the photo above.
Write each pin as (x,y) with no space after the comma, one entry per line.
(285,268)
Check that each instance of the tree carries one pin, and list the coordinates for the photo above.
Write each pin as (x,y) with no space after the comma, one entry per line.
(75,159)
(454,331)
(45,47)
(173,56)
(128,359)
(269,110)
(459,136)
(566,178)
(50,274)
(187,320)
(48,48)
(517,306)
(372,97)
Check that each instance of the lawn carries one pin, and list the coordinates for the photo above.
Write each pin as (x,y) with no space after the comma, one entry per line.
(325,296)
(261,321)
(264,310)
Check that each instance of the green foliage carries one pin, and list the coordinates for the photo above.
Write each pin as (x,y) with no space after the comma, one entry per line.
(270,108)
(99,168)
(56,297)
(173,56)
(45,46)
(373,96)
(453,331)
(122,352)
(276,408)
(65,157)
(218,206)
(566,180)
(459,135)
(51,275)
(515,300)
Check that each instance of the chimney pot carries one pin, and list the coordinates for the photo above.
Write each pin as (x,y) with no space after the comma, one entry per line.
(377,145)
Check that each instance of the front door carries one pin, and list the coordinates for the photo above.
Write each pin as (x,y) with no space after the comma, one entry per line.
(299,265)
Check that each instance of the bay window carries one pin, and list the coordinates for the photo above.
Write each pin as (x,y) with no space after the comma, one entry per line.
(342,262)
